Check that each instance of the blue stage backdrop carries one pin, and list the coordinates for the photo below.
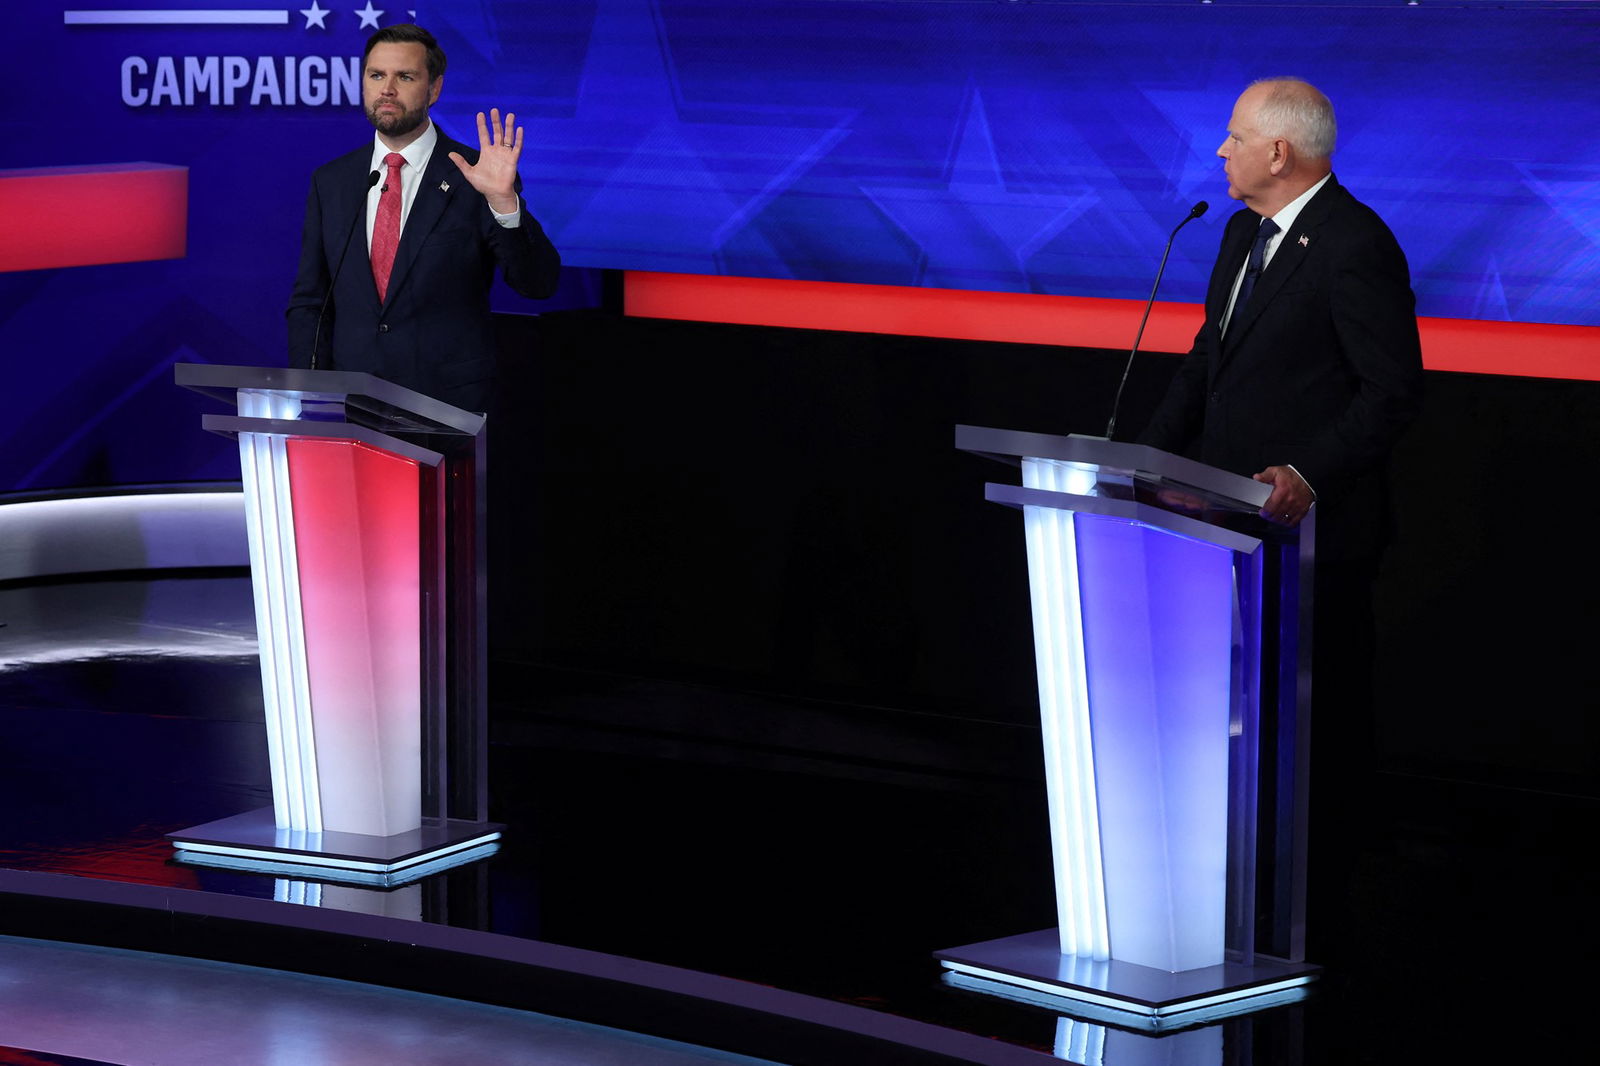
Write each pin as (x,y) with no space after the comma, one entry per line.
(1034,147)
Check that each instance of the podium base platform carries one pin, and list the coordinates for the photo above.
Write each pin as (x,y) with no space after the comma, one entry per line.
(253,842)
(1030,967)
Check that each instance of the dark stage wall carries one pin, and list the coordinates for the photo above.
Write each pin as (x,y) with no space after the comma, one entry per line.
(782,512)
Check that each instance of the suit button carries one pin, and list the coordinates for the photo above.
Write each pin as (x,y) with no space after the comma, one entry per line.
(383,327)
(1213,395)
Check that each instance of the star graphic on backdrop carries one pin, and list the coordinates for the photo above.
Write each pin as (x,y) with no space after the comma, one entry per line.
(1194,116)
(639,164)
(369,17)
(1571,192)
(975,216)
(315,15)
(1563,256)
(1490,300)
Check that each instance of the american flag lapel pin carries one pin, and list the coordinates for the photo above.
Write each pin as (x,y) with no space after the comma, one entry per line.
(1305,242)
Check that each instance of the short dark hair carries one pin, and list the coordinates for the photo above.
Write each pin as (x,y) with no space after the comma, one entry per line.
(407,33)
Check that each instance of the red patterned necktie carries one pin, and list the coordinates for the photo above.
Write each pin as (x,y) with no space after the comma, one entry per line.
(386,228)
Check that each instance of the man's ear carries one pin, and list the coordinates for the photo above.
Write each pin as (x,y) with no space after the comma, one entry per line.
(438,83)
(1279,161)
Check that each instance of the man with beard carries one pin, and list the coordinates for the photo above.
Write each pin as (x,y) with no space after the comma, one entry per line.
(405,295)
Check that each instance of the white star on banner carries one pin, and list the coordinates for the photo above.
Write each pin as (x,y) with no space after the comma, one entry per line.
(369,17)
(315,15)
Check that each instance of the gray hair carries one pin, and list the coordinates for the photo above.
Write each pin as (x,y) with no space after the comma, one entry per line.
(1298,112)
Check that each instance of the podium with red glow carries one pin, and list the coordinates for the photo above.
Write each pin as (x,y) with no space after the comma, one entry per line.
(1171,636)
(364,504)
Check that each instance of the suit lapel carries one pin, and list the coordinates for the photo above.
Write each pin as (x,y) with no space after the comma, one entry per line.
(441,182)
(1230,259)
(1293,248)
(348,214)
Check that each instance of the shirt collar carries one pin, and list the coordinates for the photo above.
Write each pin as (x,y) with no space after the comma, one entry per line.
(1291,211)
(416,153)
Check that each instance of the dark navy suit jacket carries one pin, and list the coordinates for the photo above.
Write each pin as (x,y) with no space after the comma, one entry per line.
(433,331)
(1321,371)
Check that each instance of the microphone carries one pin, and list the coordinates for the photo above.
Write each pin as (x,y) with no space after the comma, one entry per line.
(1194,212)
(316,338)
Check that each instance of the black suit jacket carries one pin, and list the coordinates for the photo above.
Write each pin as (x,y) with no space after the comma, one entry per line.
(433,332)
(1321,371)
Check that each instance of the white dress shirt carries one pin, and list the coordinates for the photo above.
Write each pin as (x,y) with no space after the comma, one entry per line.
(1285,221)
(417,155)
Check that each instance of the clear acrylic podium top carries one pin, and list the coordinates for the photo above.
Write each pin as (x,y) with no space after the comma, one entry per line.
(1138,481)
(336,396)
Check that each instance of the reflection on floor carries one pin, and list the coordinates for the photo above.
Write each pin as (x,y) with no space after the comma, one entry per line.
(122,1006)
(131,708)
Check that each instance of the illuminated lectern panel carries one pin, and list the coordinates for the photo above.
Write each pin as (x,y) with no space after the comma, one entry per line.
(363,507)
(1169,632)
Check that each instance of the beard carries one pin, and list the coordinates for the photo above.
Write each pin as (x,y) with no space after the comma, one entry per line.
(397,123)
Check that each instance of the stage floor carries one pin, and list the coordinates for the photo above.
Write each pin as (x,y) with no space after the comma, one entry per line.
(131,708)
(100,1006)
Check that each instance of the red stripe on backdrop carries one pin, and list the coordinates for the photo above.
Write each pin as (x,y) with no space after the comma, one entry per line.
(80,216)
(1469,346)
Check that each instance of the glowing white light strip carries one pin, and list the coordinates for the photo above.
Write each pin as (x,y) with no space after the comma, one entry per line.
(150,17)
(333,862)
(262,583)
(287,406)
(1141,1010)
(1064,712)
(274,574)
(1077,732)
(1043,534)
(342,876)
(287,621)
(278,526)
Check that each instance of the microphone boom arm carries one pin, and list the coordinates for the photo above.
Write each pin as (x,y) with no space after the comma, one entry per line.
(1194,212)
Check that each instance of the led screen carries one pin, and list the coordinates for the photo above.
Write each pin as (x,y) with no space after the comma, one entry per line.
(1019,147)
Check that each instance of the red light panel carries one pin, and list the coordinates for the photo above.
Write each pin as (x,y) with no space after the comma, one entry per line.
(1513,348)
(81,216)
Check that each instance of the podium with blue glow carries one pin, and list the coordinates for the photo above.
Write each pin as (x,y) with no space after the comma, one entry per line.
(363,505)
(1172,637)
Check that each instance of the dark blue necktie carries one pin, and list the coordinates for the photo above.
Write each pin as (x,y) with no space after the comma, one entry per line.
(1258,254)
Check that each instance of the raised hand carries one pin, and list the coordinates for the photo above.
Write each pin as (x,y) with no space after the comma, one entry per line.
(495,174)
